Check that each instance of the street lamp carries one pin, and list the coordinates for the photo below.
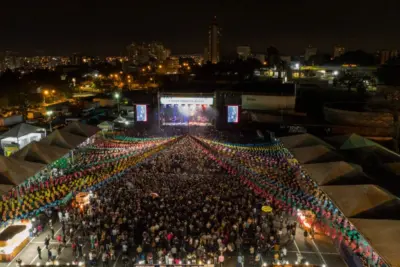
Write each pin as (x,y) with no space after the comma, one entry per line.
(45,93)
(117,97)
(49,113)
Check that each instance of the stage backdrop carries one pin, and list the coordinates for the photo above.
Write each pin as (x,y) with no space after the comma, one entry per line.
(262,102)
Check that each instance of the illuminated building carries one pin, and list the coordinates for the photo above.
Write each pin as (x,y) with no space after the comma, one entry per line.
(260,57)
(214,42)
(310,51)
(243,52)
(338,50)
(10,60)
(196,58)
(77,59)
(172,65)
(385,55)
(141,53)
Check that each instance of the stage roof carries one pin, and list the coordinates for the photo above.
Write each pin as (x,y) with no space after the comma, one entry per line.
(63,139)
(302,140)
(21,130)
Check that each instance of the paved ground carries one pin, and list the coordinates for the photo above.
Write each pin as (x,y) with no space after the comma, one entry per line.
(319,251)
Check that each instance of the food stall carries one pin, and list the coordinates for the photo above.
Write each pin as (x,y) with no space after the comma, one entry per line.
(13,238)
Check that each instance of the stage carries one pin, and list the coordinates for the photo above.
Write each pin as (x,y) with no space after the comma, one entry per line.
(187,111)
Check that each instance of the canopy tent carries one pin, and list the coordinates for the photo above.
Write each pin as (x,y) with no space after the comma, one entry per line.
(63,139)
(387,211)
(393,167)
(350,141)
(80,129)
(302,140)
(106,126)
(5,188)
(22,134)
(355,199)
(383,235)
(315,154)
(336,173)
(120,119)
(373,156)
(21,130)
(14,171)
(40,153)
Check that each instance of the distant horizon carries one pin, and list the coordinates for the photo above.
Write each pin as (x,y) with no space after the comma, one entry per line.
(223,54)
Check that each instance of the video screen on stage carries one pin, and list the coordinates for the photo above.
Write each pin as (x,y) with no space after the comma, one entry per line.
(141,113)
(187,111)
(233,114)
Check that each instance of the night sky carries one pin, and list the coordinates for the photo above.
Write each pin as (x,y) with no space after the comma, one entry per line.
(106,27)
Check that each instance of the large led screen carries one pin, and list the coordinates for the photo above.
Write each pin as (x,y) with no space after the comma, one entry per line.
(187,111)
(233,114)
(141,113)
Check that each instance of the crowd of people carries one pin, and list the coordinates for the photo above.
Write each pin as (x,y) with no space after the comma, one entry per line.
(179,207)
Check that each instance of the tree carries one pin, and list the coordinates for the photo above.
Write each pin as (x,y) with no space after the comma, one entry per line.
(389,77)
(357,57)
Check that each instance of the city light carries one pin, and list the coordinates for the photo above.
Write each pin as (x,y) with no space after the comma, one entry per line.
(49,112)
(46,92)
(160,66)
(335,73)
(116,95)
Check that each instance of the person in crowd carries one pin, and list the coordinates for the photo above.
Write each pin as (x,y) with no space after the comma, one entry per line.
(179,206)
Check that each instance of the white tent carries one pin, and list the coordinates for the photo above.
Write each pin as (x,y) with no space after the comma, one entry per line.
(106,126)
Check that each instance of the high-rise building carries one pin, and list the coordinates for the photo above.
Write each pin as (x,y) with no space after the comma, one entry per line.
(214,34)
(310,51)
(338,50)
(243,52)
(11,60)
(77,59)
(141,53)
(158,51)
(385,55)
(205,55)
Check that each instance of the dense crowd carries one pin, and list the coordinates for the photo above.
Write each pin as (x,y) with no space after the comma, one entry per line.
(177,207)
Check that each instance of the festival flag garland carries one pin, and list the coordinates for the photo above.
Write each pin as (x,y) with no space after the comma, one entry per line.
(40,196)
(271,171)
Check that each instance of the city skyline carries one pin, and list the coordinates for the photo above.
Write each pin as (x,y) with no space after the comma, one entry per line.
(64,28)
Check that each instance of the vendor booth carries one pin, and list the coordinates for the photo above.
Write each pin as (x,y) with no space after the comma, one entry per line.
(106,126)
(13,238)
